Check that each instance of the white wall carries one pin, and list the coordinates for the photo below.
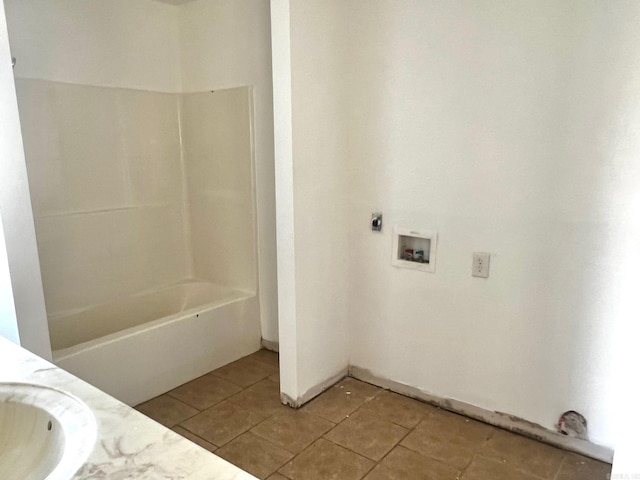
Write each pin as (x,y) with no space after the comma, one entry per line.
(17,218)
(8,321)
(227,43)
(283,151)
(119,43)
(505,127)
(624,322)
(501,126)
(318,236)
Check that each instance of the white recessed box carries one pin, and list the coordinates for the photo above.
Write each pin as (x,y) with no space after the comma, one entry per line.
(414,249)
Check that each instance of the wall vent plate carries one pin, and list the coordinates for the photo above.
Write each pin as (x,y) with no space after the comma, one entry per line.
(414,249)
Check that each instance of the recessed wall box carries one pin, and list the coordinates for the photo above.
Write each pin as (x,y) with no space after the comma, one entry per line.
(414,249)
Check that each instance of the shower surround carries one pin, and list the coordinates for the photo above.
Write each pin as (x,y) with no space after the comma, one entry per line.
(144,207)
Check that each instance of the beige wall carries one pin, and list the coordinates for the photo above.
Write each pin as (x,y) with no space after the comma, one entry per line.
(119,43)
(227,43)
(119,208)
(218,156)
(105,173)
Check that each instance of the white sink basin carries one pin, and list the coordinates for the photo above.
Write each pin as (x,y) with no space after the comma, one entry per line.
(44,433)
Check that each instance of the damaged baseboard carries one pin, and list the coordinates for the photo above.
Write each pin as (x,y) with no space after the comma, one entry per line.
(497,419)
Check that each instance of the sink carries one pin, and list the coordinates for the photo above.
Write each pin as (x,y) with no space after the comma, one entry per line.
(44,432)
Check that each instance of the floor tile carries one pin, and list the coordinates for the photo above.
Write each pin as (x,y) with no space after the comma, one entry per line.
(236,412)
(404,464)
(166,410)
(577,467)
(449,438)
(399,409)
(523,453)
(367,435)
(265,356)
(342,399)
(204,392)
(254,455)
(245,372)
(454,451)
(194,438)
(262,398)
(222,423)
(482,468)
(441,424)
(327,461)
(292,430)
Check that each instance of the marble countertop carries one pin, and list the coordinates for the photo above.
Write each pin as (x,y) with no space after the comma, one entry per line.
(129,445)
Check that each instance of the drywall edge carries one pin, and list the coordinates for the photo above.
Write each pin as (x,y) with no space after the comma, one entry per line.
(497,419)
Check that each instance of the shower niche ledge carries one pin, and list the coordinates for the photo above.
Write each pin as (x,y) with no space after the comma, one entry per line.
(414,249)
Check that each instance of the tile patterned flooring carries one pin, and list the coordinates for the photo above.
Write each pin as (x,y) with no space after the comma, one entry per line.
(352,431)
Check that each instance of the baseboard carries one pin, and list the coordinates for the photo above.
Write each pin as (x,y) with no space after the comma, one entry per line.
(498,419)
(313,392)
(269,345)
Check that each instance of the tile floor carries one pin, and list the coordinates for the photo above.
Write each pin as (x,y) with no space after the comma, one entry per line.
(352,431)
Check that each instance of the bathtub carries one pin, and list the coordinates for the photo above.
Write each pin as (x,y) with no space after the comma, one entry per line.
(146,344)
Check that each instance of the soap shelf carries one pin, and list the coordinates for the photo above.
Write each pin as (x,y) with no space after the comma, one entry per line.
(414,249)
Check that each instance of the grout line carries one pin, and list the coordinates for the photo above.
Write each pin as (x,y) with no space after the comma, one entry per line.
(564,459)
(464,470)
(188,418)
(396,446)
(375,462)
(195,435)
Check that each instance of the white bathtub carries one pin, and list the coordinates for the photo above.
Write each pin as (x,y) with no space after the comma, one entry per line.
(148,343)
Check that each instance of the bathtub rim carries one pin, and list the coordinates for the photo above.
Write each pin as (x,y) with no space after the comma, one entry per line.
(55,316)
(66,352)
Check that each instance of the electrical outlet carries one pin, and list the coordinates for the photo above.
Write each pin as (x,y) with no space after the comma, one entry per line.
(480,266)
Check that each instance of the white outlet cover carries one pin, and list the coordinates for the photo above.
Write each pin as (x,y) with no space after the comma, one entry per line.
(480,265)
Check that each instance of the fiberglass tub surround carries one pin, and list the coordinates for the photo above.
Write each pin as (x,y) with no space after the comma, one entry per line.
(144,210)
